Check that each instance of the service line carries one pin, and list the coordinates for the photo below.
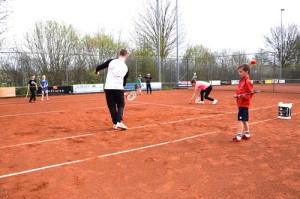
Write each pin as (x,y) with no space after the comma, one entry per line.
(109,131)
(122,152)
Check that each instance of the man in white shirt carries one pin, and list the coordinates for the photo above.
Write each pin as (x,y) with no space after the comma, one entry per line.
(117,74)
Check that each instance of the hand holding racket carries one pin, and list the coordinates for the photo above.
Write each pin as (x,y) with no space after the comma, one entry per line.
(242,95)
(197,99)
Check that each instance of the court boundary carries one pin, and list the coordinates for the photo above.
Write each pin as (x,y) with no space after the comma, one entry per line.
(113,130)
(124,151)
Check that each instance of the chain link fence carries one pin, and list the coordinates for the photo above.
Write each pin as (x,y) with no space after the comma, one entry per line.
(16,68)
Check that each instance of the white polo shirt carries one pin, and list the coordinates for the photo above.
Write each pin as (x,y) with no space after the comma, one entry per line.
(117,69)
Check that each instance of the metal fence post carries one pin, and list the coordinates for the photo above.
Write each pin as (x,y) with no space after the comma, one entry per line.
(274,57)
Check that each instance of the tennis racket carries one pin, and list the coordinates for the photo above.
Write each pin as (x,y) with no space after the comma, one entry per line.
(251,93)
(130,95)
(26,95)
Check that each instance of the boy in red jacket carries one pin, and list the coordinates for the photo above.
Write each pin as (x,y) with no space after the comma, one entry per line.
(243,102)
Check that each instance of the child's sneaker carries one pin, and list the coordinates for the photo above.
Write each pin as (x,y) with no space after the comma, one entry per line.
(215,101)
(121,126)
(245,137)
(47,99)
(200,102)
(42,99)
(235,139)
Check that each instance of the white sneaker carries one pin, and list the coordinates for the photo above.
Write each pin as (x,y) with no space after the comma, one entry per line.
(121,125)
(200,102)
(42,99)
(215,101)
(115,126)
(47,99)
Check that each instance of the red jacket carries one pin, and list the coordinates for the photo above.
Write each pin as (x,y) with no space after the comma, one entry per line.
(245,86)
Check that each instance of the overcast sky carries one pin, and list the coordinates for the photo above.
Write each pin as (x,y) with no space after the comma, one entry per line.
(216,24)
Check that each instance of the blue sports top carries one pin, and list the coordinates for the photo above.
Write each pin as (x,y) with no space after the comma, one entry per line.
(44,84)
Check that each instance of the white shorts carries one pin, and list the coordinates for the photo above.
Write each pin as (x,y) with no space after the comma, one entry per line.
(45,91)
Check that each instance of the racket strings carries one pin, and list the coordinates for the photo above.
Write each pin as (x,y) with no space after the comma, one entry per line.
(131,95)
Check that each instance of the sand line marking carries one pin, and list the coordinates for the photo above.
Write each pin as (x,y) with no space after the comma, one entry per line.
(123,152)
(135,104)
(49,102)
(109,131)
(60,111)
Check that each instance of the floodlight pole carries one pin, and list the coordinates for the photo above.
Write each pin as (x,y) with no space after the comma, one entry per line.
(281,56)
(177,64)
(158,41)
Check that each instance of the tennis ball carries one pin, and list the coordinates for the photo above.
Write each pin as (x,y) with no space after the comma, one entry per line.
(253,62)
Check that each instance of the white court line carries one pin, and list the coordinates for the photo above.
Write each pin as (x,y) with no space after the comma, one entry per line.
(60,111)
(103,156)
(50,102)
(121,152)
(176,106)
(90,134)
(138,127)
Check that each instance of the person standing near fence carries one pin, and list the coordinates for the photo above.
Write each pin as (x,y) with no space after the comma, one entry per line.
(139,84)
(32,86)
(117,74)
(44,86)
(148,78)
(243,102)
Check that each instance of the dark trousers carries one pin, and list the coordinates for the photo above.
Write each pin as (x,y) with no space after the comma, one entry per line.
(32,97)
(207,92)
(115,103)
(149,87)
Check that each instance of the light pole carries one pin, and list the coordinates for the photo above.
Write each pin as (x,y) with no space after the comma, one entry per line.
(281,57)
(158,40)
(177,64)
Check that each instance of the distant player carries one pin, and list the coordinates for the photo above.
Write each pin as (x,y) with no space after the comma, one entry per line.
(44,86)
(195,76)
(243,102)
(139,84)
(32,86)
(148,78)
(205,88)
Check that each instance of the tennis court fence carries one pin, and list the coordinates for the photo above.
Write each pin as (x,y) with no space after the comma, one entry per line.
(16,68)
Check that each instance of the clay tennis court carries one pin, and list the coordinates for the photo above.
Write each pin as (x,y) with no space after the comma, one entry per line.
(67,148)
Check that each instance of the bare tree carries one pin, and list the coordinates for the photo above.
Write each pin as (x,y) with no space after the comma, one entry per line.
(53,46)
(97,49)
(286,48)
(146,32)
(3,16)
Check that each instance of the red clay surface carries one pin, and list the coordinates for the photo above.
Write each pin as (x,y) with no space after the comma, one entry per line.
(66,148)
